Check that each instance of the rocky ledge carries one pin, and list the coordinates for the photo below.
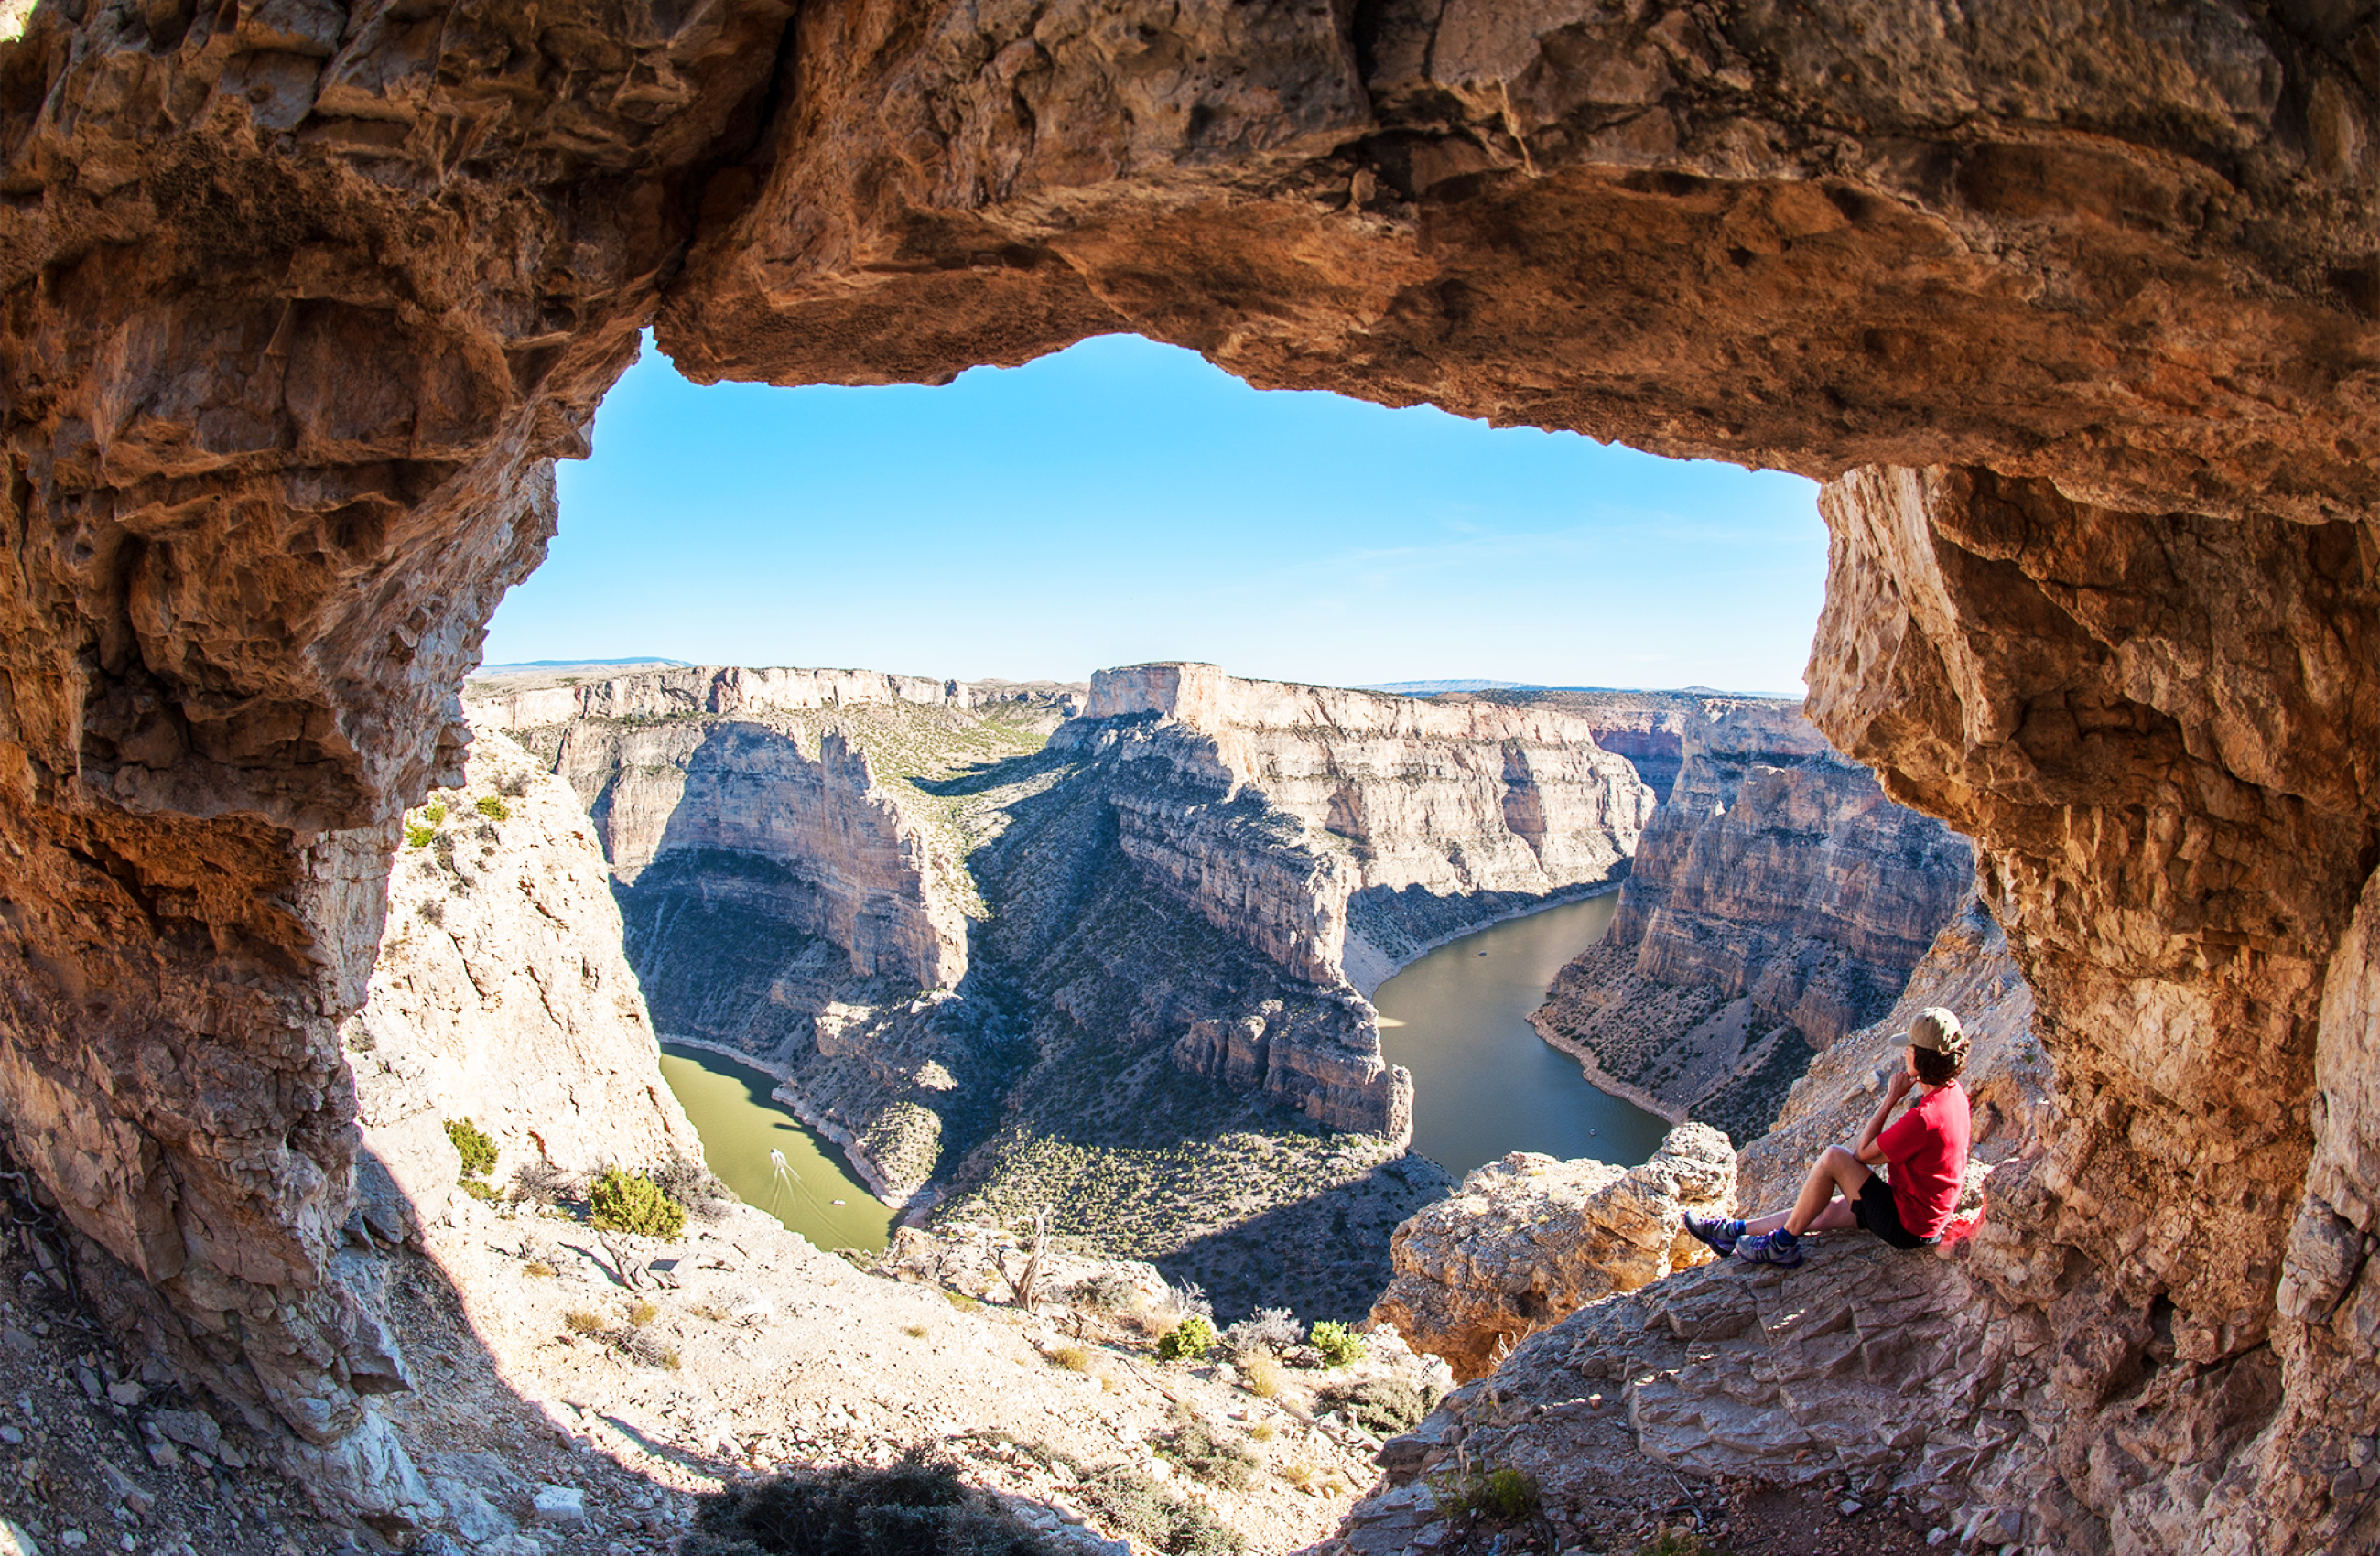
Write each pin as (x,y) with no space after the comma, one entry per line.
(1527,1241)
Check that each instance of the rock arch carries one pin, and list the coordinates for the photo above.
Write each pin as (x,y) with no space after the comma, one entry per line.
(2074,314)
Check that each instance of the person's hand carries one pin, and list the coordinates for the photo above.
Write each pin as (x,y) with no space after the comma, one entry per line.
(1898,1087)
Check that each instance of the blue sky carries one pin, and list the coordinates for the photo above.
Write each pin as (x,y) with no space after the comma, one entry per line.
(1122,500)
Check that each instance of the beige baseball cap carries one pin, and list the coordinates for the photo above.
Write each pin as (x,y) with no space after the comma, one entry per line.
(1935,1029)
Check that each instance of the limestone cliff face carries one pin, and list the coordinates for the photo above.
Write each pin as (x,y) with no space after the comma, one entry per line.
(1441,813)
(522,701)
(1777,902)
(790,894)
(1647,727)
(1280,1017)
(500,995)
(786,814)
(1527,1241)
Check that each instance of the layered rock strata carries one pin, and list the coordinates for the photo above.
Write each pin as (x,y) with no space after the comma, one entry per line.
(789,862)
(1527,1241)
(1778,901)
(501,996)
(1647,727)
(1436,816)
(2073,314)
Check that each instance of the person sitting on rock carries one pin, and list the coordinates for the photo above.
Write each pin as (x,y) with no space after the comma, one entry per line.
(1927,1147)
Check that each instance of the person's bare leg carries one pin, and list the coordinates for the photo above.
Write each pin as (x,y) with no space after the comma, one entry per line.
(1816,1210)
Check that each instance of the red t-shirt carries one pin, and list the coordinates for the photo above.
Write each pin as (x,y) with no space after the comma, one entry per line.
(1928,1147)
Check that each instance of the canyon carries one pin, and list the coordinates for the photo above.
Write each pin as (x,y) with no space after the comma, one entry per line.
(1777,902)
(2073,313)
(1091,948)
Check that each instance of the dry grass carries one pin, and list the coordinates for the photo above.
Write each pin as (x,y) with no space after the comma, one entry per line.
(1300,1474)
(641,1312)
(1149,1325)
(1263,1431)
(915,1331)
(578,1320)
(1074,1358)
(541,1270)
(708,1313)
(1260,1375)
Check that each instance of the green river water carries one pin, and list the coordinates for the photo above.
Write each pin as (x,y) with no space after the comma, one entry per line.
(1484,1082)
(818,1196)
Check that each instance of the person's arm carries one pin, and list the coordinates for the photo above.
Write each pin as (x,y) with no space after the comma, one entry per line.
(1867,1151)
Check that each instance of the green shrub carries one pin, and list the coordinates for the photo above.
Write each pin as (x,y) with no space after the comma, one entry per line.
(1503,1495)
(917,1506)
(1196,1449)
(1383,1406)
(485,1192)
(494,809)
(1679,1542)
(1188,1341)
(422,825)
(1340,1345)
(472,1144)
(629,1202)
(1132,1506)
(1106,1292)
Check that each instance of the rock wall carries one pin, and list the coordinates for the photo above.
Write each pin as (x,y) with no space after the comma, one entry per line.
(1647,727)
(786,815)
(1527,1241)
(1778,901)
(524,702)
(2071,310)
(790,894)
(500,995)
(1438,814)
(1279,1017)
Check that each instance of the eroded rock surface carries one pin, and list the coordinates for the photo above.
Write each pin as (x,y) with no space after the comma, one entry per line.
(1778,901)
(2074,311)
(501,996)
(1443,814)
(1527,1241)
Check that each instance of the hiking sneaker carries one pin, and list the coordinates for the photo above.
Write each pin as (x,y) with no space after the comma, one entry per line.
(1715,1233)
(1779,1248)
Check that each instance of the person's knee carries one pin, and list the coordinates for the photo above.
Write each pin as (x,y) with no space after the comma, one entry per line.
(1835,1159)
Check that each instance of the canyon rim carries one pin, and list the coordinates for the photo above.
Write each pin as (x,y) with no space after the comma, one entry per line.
(2072,312)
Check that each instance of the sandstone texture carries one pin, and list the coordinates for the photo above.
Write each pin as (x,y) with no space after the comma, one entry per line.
(1431,817)
(1778,901)
(789,859)
(1527,1241)
(1647,727)
(2073,309)
(501,996)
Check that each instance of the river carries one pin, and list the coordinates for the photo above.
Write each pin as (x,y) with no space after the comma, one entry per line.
(819,1195)
(1484,1082)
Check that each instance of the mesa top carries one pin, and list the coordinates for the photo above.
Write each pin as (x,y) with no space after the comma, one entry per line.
(1927,1149)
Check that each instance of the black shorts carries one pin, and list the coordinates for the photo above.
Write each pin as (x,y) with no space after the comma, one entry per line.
(1875,1210)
